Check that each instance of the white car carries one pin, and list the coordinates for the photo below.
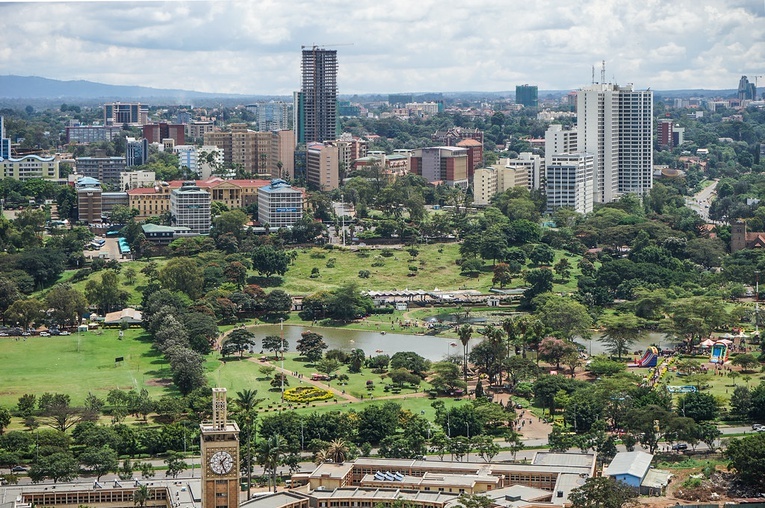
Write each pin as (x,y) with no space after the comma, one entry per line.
(65,333)
(44,334)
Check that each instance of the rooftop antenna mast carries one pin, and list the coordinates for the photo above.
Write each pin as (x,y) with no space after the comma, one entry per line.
(593,74)
(603,71)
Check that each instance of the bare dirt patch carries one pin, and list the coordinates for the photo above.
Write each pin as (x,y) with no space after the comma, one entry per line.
(159,382)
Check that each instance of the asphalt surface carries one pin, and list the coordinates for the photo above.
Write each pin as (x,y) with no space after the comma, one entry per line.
(701,201)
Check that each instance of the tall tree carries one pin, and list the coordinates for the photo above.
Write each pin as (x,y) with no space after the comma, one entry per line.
(464,333)
(620,333)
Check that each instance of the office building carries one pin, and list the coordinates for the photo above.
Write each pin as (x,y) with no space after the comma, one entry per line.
(134,179)
(136,152)
(89,201)
(484,186)
(279,204)
(474,152)
(120,113)
(158,132)
(569,182)
(92,133)
(104,169)
(398,100)
(243,148)
(322,169)
(190,207)
(669,135)
(615,125)
(559,140)
(532,165)
(747,90)
(283,150)
(30,167)
(197,130)
(5,143)
(446,164)
(317,102)
(453,135)
(272,115)
(527,95)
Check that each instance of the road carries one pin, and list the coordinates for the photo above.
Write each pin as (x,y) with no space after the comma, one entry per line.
(532,446)
(701,201)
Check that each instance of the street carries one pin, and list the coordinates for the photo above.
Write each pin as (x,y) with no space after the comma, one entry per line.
(701,201)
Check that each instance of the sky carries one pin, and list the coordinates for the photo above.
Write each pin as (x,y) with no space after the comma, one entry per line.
(387,46)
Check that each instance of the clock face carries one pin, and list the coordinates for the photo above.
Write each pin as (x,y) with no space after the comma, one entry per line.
(221,462)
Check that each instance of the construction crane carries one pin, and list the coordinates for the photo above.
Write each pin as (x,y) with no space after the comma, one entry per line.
(320,46)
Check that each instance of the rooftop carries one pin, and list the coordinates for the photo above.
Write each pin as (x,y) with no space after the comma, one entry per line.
(629,463)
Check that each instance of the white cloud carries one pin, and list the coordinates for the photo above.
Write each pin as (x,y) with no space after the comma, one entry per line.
(397,45)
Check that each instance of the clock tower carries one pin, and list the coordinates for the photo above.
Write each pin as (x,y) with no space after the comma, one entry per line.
(220,457)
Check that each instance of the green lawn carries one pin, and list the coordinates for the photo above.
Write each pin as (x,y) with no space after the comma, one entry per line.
(78,364)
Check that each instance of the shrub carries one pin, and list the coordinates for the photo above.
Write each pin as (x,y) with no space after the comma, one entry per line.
(314,272)
(317,254)
(305,394)
(386,253)
(331,262)
(364,274)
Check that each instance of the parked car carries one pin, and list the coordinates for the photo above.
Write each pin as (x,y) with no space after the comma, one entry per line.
(65,333)
(756,426)
(19,469)
(679,446)
(44,334)
(761,429)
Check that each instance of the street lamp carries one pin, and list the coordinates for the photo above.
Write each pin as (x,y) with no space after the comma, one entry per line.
(281,332)
(757,302)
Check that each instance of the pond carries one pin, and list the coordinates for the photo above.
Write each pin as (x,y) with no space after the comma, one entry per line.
(433,348)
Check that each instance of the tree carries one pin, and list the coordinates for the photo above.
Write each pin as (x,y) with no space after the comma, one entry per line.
(239,340)
(57,407)
(25,312)
(410,361)
(620,333)
(356,360)
(175,464)
(267,261)
(698,406)
(327,366)
(277,301)
(378,421)
(446,377)
(515,442)
(486,448)
(187,367)
(464,333)
(141,495)
(502,274)
(67,304)
(311,346)
(601,492)
(246,403)
(746,457)
(5,419)
(552,350)
(746,361)
(563,269)
(184,275)
(566,318)
(270,454)
(741,402)
(100,460)
(58,466)
(274,343)
(106,294)
(542,254)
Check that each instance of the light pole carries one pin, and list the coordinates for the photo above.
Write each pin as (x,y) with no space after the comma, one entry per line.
(281,333)
(757,301)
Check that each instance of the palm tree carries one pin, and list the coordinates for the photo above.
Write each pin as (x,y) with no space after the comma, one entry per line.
(464,333)
(494,336)
(336,451)
(356,359)
(270,454)
(141,495)
(247,401)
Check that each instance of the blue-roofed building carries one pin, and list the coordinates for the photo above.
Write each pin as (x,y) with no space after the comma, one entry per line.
(634,469)
(279,204)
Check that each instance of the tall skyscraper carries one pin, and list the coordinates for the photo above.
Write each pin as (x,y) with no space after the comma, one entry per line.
(527,95)
(746,90)
(316,103)
(615,124)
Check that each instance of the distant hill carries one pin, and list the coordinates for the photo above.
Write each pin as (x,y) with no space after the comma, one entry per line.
(36,88)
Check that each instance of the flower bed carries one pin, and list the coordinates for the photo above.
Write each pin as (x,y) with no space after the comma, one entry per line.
(303,394)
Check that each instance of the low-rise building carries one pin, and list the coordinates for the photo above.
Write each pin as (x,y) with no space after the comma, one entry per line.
(164,235)
(30,167)
(134,179)
(634,469)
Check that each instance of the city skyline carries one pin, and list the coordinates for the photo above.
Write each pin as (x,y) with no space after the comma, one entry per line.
(395,46)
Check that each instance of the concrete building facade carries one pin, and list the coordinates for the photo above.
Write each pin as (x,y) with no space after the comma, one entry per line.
(157,132)
(570,182)
(279,204)
(318,100)
(190,208)
(322,165)
(133,179)
(447,164)
(29,167)
(615,125)
(120,113)
(103,169)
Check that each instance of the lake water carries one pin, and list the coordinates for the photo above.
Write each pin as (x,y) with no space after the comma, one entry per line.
(433,348)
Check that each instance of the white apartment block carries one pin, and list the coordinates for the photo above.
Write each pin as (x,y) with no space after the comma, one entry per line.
(279,205)
(570,182)
(559,140)
(484,186)
(190,207)
(532,165)
(135,179)
(615,124)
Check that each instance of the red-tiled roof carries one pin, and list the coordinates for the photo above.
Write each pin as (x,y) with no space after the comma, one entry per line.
(142,190)
(469,142)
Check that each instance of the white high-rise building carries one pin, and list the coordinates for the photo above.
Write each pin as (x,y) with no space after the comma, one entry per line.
(559,140)
(615,124)
(530,163)
(570,182)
